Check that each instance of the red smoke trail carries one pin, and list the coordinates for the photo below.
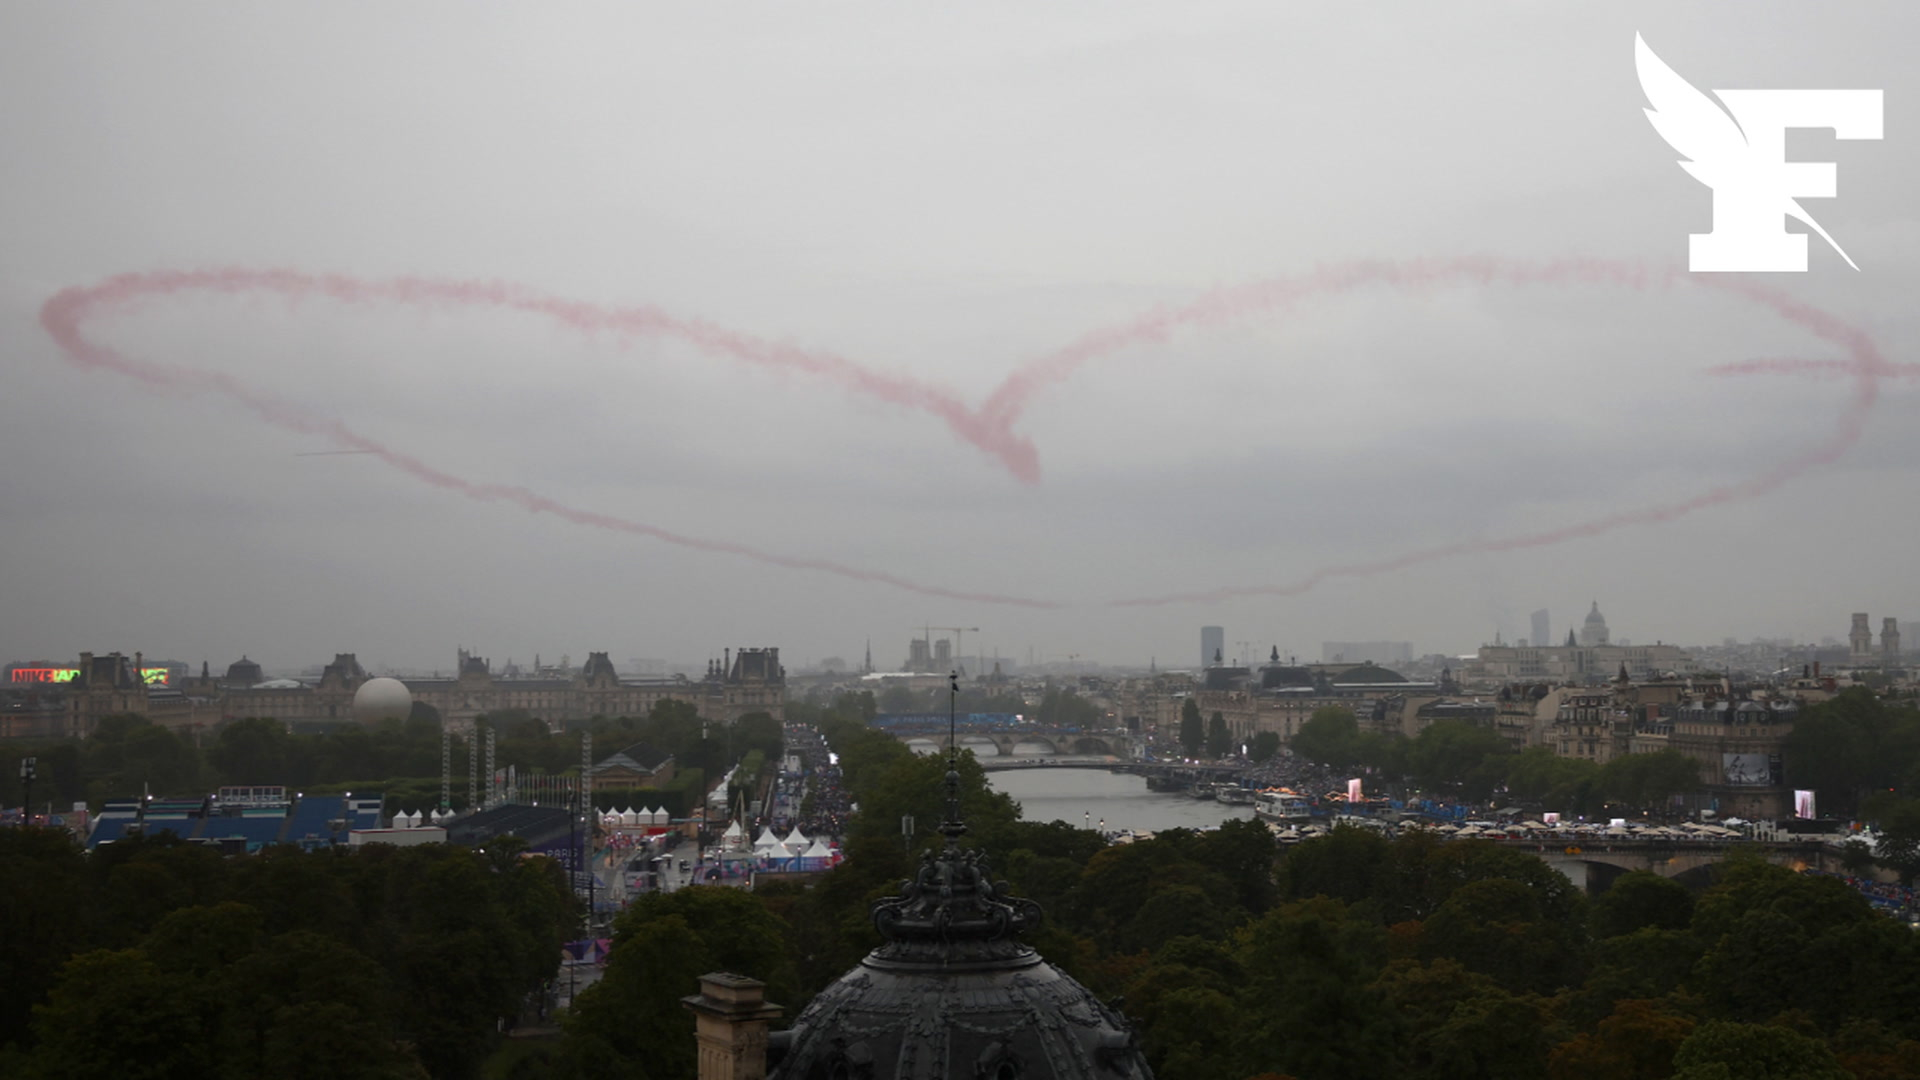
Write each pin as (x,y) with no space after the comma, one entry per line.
(63,315)
(1866,365)
(1004,406)
(73,306)
(990,427)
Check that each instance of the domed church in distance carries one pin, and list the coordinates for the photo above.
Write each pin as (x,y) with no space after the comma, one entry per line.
(952,995)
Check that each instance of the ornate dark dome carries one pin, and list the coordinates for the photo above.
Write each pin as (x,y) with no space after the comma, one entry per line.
(954,994)
(245,672)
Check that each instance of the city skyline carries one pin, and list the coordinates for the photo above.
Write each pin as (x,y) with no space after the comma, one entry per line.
(804,658)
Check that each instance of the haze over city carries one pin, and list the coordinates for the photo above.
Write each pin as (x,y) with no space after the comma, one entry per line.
(764,280)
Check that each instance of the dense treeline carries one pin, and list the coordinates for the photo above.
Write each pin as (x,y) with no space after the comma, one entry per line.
(1346,955)
(161,959)
(1859,753)
(127,755)
(1473,762)
(1351,955)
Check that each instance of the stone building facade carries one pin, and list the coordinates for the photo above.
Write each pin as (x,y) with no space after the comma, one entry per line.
(746,681)
(1576,664)
(110,685)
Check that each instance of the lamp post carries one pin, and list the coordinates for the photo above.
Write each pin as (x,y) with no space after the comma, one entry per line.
(28,766)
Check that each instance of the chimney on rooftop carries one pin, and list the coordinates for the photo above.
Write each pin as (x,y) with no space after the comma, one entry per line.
(731,1016)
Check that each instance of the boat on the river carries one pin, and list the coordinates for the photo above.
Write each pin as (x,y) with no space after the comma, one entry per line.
(1201,790)
(1283,805)
(1233,795)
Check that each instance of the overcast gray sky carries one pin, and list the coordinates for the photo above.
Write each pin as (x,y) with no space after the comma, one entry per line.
(941,197)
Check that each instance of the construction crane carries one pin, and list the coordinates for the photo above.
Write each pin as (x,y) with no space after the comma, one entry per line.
(956,631)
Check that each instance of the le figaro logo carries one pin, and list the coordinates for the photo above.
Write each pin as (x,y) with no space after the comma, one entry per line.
(1740,151)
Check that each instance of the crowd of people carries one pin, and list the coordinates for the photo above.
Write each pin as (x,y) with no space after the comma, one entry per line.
(815,798)
(1287,771)
(1882,894)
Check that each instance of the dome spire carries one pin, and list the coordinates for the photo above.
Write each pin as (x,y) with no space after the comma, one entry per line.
(953,828)
(953,911)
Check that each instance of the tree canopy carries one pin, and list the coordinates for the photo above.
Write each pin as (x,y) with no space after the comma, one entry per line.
(154,957)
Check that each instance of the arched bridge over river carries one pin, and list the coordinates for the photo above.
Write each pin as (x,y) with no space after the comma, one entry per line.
(1594,863)
(1000,747)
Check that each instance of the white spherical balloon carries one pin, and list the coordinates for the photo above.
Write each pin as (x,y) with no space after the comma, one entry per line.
(381,699)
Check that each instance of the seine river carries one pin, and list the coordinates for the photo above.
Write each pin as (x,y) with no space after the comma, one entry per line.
(1083,797)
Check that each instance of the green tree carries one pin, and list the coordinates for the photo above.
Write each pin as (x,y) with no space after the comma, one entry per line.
(1636,1041)
(1061,707)
(1566,784)
(251,751)
(1348,864)
(1456,1023)
(1454,755)
(1498,927)
(1311,1007)
(1722,1050)
(1173,912)
(42,918)
(1242,852)
(1265,745)
(1898,845)
(451,951)
(115,1014)
(860,707)
(1851,745)
(307,1007)
(1193,731)
(916,786)
(1650,781)
(1641,899)
(661,947)
(1219,741)
(901,699)
(1330,736)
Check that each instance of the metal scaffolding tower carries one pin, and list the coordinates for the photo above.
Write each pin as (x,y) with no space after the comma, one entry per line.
(493,785)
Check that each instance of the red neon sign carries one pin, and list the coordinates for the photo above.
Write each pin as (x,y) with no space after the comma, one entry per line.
(152,676)
(45,674)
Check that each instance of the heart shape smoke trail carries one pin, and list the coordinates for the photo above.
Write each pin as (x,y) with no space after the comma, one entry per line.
(990,426)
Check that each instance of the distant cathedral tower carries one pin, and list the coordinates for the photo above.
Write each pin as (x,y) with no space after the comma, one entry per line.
(1860,640)
(1890,641)
(1594,630)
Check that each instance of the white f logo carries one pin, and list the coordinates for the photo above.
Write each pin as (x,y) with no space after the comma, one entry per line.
(1743,158)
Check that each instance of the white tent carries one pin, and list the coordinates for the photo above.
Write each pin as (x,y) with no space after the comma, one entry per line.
(734,831)
(766,839)
(659,816)
(795,841)
(819,850)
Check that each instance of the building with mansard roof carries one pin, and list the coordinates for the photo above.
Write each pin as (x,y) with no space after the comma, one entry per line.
(745,681)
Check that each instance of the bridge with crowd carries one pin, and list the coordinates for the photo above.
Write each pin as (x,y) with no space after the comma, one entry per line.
(1007,741)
